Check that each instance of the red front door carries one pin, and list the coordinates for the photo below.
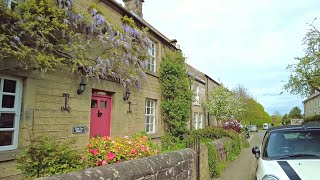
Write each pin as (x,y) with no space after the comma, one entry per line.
(100,115)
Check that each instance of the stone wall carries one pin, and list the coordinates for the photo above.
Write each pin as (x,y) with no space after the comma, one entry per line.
(219,145)
(204,166)
(178,165)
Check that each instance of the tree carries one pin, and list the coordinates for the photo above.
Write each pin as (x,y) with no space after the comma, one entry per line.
(295,113)
(176,94)
(305,73)
(241,92)
(255,113)
(285,119)
(243,95)
(224,104)
(276,117)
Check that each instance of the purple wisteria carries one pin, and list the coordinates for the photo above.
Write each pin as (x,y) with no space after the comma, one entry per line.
(124,51)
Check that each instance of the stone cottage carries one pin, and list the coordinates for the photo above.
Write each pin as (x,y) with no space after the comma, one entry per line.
(201,85)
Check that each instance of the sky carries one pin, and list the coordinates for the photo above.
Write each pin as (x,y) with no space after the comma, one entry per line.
(246,42)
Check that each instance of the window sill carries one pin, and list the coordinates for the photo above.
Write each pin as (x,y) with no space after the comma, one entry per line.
(155,135)
(9,155)
(152,73)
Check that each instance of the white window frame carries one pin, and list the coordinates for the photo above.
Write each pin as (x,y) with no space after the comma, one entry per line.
(153,57)
(196,96)
(200,125)
(195,120)
(10,3)
(16,109)
(151,115)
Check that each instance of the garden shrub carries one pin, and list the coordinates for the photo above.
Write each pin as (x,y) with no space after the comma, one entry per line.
(244,142)
(171,143)
(103,150)
(46,157)
(312,118)
(209,132)
(176,94)
(212,133)
(215,167)
(232,125)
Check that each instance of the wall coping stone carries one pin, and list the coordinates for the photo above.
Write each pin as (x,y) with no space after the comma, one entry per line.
(134,169)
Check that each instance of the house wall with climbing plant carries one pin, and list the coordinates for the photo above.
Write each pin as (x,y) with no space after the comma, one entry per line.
(39,96)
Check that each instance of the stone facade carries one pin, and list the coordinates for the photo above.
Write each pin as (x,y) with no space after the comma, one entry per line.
(41,98)
(178,165)
(201,86)
(198,87)
(312,105)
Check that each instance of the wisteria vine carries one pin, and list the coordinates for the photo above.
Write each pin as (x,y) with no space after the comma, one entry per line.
(46,34)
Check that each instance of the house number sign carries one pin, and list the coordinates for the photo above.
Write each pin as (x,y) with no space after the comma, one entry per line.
(78,129)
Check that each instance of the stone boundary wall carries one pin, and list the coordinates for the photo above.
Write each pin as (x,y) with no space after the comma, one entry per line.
(219,145)
(177,165)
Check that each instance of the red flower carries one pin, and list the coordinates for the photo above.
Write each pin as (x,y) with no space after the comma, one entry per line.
(97,163)
(104,162)
(94,151)
(134,151)
(111,155)
(107,138)
(89,145)
(144,137)
(143,148)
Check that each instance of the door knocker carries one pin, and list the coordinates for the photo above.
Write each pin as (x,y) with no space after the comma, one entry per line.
(99,113)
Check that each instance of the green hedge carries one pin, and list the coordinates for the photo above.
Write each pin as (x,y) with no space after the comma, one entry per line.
(233,145)
(312,118)
(215,167)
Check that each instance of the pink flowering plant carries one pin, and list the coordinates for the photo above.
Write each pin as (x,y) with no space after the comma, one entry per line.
(104,150)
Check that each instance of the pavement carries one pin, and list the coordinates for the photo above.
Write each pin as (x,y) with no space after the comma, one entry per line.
(243,168)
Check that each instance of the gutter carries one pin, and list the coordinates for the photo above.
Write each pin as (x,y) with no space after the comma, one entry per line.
(311,97)
(196,78)
(208,77)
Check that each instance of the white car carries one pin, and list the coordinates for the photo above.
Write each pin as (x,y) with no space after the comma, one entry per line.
(265,126)
(289,153)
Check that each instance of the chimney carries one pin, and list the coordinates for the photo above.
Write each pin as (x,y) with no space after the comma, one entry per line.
(312,91)
(134,6)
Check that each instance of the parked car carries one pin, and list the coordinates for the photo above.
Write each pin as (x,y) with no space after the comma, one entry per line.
(253,128)
(265,126)
(289,152)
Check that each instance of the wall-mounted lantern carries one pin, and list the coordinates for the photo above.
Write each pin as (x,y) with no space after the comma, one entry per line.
(126,95)
(82,87)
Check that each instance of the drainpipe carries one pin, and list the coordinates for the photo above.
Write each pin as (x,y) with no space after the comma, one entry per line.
(207,96)
(191,112)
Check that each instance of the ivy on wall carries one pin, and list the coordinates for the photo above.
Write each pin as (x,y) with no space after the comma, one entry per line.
(47,34)
(176,94)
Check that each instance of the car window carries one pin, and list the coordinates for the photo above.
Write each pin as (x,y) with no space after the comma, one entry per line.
(279,144)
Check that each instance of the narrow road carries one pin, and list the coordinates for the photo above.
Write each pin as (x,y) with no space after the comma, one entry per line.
(243,167)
